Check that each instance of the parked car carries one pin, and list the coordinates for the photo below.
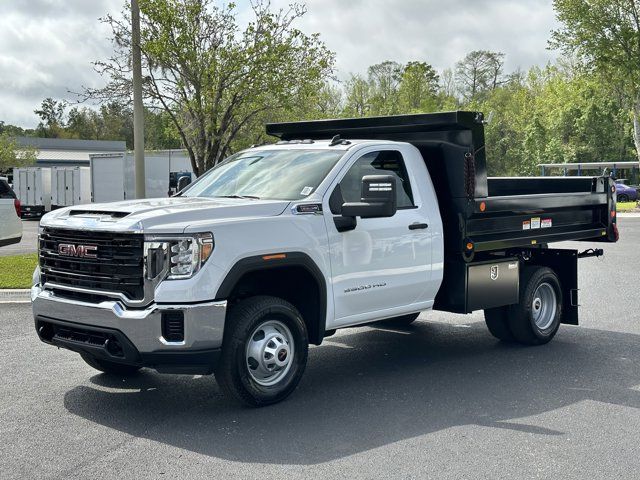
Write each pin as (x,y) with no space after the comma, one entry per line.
(625,193)
(10,223)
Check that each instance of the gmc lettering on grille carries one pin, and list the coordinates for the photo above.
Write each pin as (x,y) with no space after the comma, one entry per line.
(80,251)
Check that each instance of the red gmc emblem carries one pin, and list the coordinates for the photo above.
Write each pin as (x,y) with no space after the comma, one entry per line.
(80,251)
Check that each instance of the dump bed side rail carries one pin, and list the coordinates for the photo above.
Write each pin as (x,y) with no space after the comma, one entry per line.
(497,223)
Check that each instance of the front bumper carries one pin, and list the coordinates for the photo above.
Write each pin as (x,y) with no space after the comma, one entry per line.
(110,331)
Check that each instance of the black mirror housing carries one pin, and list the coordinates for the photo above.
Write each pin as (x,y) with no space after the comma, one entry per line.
(378,198)
(183,182)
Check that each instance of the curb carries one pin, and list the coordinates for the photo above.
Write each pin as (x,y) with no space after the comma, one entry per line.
(15,296)
(629,214)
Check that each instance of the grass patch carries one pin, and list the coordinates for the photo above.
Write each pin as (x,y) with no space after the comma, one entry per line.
(17,271)
(626,206)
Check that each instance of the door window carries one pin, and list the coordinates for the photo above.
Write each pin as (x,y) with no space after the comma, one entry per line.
(386,162)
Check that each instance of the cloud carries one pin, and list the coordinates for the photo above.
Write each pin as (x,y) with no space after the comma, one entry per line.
(364,32)
(46,49)
(47,46)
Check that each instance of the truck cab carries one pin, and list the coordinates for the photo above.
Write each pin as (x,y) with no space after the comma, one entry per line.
(339,223)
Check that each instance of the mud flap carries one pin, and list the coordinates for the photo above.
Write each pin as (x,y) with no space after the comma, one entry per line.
(565,264)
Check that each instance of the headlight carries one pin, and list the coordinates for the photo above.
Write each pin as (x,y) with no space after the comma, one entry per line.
(182,257)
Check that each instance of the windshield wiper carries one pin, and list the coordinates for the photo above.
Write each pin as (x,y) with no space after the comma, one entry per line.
(238,196)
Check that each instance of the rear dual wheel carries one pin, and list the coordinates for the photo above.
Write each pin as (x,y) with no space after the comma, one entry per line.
(536,318)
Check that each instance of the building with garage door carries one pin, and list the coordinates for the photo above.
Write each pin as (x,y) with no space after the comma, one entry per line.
(63,152)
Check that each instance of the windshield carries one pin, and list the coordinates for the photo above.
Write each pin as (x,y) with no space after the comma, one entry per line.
(269,174)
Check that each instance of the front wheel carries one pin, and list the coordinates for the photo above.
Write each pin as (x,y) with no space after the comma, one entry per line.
(622,198)
(264,352)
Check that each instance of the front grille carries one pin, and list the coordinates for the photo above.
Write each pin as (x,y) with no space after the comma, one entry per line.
(118,267)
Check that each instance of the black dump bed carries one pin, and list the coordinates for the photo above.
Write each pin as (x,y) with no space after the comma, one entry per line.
(480,214)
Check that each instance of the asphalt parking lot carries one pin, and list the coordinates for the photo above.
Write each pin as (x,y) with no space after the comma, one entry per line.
(440,399)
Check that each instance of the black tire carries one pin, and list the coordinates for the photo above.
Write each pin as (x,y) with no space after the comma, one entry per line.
(622,198)
(232,371)
(521,316)
(403,320)
(112,368)
(497,320)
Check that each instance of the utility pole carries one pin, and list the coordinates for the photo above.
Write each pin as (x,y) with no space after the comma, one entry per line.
(138,109)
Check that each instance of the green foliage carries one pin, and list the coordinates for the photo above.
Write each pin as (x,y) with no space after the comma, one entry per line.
(12,156)
(627,207)
(358,94)
(17,271)
(554,116)
(111,121)
(418,89)
(214,79)
(51,113)
(605,35)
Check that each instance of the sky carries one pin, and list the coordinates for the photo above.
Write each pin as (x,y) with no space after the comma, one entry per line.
(47,46)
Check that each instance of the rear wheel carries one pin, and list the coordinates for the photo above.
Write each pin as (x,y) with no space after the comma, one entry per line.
(536,319)
(264,352)
(111,368)
(497,320)
(622,198)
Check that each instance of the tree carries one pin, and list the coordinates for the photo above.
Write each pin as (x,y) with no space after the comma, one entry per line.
(14,130)
(51,113)
(83,123)
(478,72)
(358,96)
(13,156)
(606,35)
(384,79)
(328,102)
(418,88)
(211,77)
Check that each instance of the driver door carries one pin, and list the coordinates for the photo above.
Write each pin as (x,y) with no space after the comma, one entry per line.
(382,263)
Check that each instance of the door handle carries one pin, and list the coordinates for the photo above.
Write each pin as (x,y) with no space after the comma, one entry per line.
(418,226)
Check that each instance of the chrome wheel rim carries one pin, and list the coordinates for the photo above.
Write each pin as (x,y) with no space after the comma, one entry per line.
(544,306)
(270,352)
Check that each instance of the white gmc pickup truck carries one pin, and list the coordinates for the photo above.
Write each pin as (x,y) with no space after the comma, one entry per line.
(340,223)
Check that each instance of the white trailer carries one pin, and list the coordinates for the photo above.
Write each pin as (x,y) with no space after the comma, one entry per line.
(113,175)
(70,186)
(32,186)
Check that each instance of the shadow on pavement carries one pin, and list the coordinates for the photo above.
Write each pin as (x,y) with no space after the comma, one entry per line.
(372,388)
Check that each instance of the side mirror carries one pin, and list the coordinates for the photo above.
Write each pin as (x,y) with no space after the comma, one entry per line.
(183,182)
(378,198)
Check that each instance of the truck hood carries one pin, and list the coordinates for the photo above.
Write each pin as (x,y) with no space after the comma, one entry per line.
(160,215)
